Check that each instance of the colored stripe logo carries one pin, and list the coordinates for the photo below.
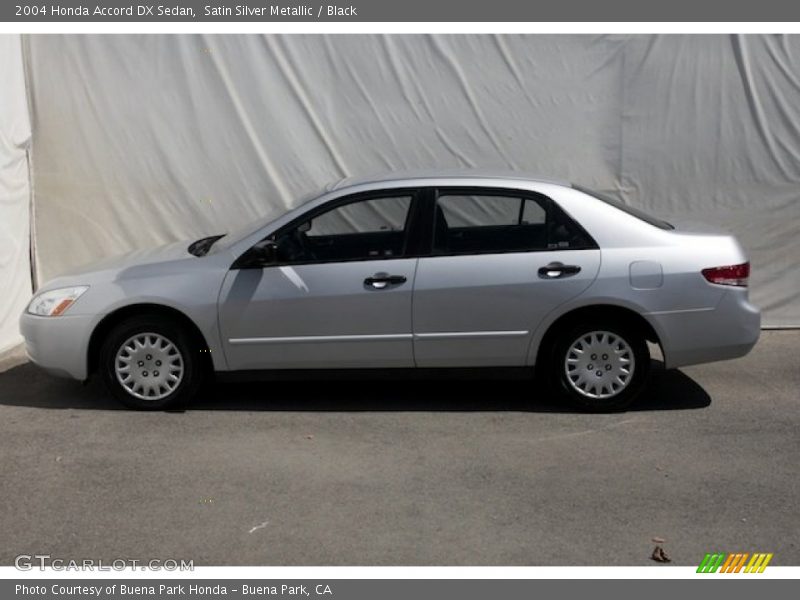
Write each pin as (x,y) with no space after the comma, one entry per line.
(737,562)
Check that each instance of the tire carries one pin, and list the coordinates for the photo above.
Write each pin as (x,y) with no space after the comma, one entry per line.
(161,360)
(599,367)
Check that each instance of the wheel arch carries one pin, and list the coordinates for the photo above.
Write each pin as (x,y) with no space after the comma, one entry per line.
(600,312)
(109,321)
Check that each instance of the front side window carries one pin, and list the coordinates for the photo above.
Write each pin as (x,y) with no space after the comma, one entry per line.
(500,222)
(362,230)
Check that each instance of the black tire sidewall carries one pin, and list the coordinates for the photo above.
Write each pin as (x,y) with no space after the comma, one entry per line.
(558,378)
(192,376)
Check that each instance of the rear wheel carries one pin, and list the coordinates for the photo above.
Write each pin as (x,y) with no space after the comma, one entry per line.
(600,367)
(149,363)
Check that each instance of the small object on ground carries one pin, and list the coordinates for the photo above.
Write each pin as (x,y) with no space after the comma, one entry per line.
(309,437)
(257,527)
(660,556)
(658,540)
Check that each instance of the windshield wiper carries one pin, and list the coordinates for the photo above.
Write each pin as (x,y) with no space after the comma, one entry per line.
(203,245)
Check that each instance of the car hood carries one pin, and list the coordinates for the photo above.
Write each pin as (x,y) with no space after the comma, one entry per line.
(122,265)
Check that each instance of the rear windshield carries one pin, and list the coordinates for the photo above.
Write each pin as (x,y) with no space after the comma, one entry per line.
(634,212)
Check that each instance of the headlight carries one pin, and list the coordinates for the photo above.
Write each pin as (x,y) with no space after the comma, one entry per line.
(55,302)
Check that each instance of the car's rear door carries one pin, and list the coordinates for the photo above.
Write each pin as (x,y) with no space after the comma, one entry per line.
(500,261)
(339,294)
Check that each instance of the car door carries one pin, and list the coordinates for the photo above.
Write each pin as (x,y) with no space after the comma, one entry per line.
(500,261)
(337,294)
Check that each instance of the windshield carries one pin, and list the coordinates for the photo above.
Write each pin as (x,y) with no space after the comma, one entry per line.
(634,212)
(240,233)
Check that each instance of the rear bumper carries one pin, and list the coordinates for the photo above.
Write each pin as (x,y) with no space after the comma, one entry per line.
(59,345)
(730,330)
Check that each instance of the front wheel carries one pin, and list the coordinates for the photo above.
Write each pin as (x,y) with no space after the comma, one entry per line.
(600,368)
(149,363)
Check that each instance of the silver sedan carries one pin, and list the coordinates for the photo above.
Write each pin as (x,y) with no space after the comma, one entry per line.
(471,270)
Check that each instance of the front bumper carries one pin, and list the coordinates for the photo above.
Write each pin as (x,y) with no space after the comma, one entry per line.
(59,345)
(730,330)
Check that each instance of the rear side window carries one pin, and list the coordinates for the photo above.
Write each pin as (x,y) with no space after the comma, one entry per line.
(497,222)
(480,211)
(634,212)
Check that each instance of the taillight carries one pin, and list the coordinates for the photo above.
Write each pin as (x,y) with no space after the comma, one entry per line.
(730,275)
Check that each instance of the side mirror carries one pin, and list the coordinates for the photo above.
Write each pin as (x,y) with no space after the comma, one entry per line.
(263,254)
(303,227)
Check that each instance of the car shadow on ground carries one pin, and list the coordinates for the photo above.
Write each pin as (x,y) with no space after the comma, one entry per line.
(26,385)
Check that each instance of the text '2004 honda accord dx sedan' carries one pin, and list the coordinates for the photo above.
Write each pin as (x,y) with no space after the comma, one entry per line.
(422,271)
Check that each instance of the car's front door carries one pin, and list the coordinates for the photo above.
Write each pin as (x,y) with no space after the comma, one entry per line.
(501,260)
(338,294)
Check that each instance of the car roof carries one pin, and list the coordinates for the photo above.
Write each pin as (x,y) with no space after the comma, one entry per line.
(452,176)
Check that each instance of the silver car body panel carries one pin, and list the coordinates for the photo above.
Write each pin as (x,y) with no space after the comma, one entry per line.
(476,310)
(469,310)
(318,315)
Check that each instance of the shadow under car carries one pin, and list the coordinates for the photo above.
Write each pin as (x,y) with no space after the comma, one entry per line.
(26,385)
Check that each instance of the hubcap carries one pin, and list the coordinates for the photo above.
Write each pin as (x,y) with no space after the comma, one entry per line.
(149,366)
(599,365)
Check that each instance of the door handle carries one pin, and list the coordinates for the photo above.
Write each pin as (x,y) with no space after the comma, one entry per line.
(380,281)
(558,270)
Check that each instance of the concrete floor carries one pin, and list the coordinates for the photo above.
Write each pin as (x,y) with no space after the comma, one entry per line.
(408,473)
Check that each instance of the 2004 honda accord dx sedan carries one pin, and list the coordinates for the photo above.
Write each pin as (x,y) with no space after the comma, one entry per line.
(426,271)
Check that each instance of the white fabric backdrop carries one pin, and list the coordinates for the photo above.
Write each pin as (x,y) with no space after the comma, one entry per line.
(140,140)
(15,133)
